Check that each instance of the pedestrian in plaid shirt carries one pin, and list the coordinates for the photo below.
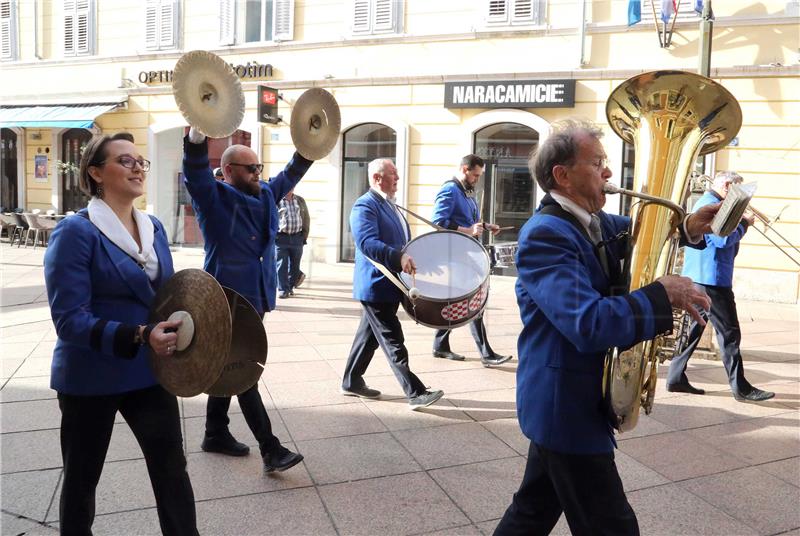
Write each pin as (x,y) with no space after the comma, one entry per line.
(293,225)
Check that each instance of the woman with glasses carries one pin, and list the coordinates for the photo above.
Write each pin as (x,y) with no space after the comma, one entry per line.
(102,269)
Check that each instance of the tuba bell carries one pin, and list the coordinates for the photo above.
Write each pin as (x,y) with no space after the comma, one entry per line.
(670,118)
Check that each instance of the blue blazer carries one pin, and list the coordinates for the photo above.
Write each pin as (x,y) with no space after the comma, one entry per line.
(239,229)
(452,208)
(378,234)
(714,264)
(569,321)
(98,297)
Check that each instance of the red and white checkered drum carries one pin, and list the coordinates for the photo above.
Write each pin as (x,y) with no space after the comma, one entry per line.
(452,278)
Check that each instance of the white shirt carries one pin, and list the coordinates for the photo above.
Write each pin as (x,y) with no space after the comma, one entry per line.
(393,202)
(105,219)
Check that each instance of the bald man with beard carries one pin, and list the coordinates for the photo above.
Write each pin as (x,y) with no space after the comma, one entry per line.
(238,217)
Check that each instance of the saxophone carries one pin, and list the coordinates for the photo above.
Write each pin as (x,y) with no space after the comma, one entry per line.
(670,118)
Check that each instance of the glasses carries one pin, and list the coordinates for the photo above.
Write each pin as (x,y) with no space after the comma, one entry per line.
(130,162)
(252,168)
(600,163)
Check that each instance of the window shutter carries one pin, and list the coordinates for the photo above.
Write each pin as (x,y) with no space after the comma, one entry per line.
(227,22)
(361,16)
(283,21)
(384,16)
(497,12)
(522,12)
(7,30)
(69,27)
(151,24)
(167,20)
(83,27)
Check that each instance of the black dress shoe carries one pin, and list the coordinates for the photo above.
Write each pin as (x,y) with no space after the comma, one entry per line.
(282,460)
(495,359)
(447,354)
(361,392)
(224,444)
(684,388)
(755,395)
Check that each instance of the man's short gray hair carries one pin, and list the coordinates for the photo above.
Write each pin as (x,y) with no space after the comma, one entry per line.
(377,166)
(560,148)
(724,177)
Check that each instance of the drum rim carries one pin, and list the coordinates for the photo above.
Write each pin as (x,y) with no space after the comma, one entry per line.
(463,296)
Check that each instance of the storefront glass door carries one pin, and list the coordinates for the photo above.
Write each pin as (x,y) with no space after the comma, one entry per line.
(507,192)
(362,144)
(72,143)
(8,170)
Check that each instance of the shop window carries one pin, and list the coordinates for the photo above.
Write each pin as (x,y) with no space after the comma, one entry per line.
(256,21)
(161,21)
(8,30)
(73,141)
(506,193)
(371,17)
(8,170)
(361,145)
(515,12)
(79,27)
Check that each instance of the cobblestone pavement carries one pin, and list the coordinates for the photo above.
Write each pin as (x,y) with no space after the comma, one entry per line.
(698,465)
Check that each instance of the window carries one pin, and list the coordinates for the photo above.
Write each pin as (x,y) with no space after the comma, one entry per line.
(372,17)
(515,12)
(78,27)
(162,18)
(256,21)
(362,144)
(8,30)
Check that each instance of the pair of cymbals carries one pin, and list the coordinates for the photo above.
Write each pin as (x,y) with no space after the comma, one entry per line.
(209,95)
(222,344)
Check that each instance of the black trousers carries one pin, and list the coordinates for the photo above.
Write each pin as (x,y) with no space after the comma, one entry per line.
(726,321)
(586,488)
(255,414)
(86,426)
(441,341)
(380,327)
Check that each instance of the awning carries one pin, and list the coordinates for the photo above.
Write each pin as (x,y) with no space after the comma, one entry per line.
(57,116)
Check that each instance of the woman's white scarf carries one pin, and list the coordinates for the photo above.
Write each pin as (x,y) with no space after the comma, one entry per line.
(110,225)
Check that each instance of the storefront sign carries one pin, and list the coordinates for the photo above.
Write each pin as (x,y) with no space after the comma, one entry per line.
(510,94)
(250,70)
(268,105)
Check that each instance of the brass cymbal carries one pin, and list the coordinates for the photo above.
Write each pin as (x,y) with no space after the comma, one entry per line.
(191,371)
(315,123)
(208,93)
(248,349)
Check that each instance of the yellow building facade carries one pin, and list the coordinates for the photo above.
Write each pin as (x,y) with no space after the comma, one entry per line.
(72,68)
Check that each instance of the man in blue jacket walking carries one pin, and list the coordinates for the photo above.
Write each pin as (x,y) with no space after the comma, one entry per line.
(455,209)
(238,217)
(712,270)
(380,232)
(571,315)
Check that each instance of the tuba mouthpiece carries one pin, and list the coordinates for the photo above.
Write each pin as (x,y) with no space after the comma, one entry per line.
(610,188)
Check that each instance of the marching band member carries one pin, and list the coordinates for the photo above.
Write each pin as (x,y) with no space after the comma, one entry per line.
(380,232)
(455,209)
(103,267)
(238,217)
(570,318)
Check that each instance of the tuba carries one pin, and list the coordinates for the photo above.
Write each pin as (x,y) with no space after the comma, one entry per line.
(670,118)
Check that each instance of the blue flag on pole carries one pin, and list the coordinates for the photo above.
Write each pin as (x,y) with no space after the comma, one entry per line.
(698,6)
(634,11)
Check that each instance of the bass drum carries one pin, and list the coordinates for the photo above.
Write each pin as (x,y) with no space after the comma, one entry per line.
(452,278)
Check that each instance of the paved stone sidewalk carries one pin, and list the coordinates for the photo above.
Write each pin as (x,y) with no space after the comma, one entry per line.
(699,465)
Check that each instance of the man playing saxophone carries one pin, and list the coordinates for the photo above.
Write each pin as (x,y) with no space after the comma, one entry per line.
(569,265)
